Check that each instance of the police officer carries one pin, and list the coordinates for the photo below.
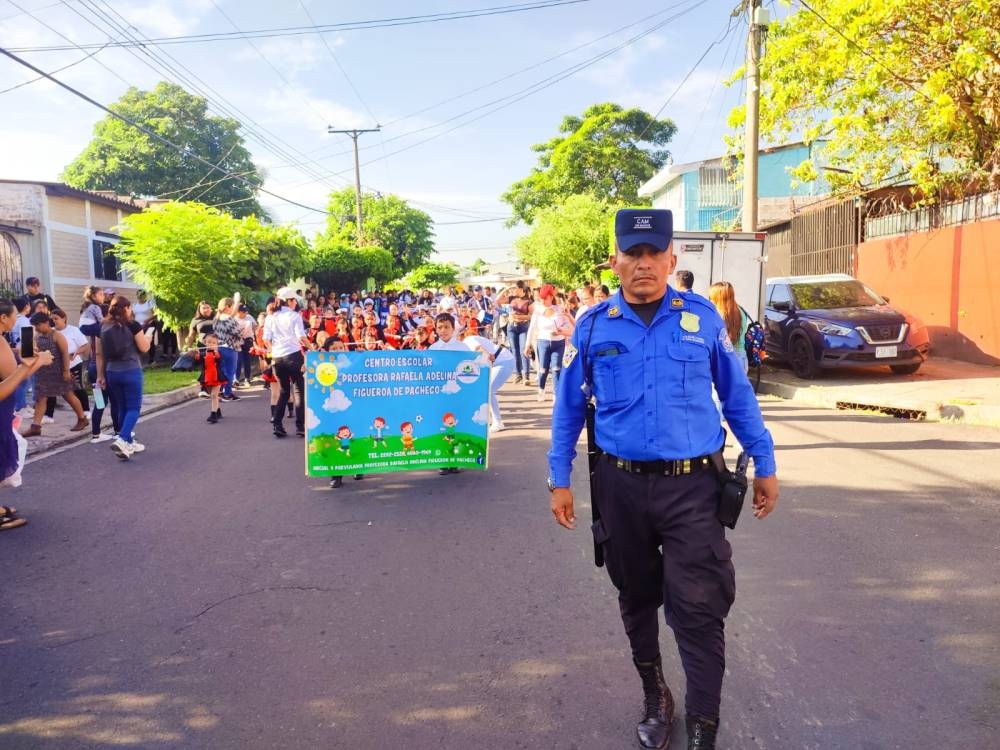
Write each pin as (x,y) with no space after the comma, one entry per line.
(650,356)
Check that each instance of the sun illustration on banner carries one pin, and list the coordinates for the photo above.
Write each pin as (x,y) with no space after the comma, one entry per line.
(324,373)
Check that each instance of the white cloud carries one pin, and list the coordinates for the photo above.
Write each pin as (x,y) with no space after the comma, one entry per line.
(451,387)
(336,401)
(482,415)
(342,362)
(312,421)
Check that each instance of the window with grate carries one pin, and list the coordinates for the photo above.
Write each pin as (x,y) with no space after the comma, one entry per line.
(11,280)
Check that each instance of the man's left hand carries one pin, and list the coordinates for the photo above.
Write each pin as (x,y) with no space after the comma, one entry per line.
(765,495)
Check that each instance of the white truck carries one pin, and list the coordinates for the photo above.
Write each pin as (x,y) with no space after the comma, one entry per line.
(736,257)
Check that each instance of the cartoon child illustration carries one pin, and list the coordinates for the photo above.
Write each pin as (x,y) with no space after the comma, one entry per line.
(378,432)
(344,435)
(449,426)
(406,433)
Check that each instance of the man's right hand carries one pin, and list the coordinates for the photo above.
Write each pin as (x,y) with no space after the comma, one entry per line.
(562,507)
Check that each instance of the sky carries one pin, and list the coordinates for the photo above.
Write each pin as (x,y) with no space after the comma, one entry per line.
(459,102)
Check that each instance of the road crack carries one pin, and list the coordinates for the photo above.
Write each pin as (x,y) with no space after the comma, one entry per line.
(243,595)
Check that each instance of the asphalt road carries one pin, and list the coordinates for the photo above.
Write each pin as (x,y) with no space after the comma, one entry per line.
(207,595)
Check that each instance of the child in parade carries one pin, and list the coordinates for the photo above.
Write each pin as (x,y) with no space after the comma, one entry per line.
(212,374)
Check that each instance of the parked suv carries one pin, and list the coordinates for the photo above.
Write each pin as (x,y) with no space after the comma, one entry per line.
(814,322)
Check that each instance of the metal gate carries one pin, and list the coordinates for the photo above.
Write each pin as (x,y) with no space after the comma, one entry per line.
(11,280)
(824,241)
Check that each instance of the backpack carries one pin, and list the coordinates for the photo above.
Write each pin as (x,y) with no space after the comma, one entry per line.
(753,343)
(115,342)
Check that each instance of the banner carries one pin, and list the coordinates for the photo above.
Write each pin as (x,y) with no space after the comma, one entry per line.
(384,411)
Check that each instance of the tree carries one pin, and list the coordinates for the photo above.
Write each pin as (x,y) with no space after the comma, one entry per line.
(901,90)
(600,154)
(478,267)
(126,160)
(339,267)
(568,241)
(185,252)
(432,276)
(387,221)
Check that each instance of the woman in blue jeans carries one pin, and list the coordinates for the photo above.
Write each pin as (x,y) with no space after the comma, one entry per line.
(550,327)
(230,332)
(517,332)
(120,351)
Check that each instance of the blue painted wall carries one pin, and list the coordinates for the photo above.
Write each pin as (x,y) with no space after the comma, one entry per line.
(774,179)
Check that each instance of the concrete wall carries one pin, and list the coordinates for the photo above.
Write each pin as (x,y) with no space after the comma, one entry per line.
(950,278)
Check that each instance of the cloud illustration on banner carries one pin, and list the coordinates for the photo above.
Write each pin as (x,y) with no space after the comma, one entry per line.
(312,421)
(336,401)
(342,362)
(482,415)
(451,386)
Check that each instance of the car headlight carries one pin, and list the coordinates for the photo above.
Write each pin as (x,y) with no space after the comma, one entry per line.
(830,329)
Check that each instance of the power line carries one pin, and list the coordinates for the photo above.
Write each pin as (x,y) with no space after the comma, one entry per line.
(336,60)
(517,96)
(57,70)
(147,131)
(325,28)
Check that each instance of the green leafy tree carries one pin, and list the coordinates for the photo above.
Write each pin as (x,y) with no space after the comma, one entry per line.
(608,153)
(900,90)
(184,252)
(478,267)
(568,241)
(340,267)
(432,276)
(388,222)
(121,158)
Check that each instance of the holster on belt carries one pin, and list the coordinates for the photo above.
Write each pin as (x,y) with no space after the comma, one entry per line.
(734,488)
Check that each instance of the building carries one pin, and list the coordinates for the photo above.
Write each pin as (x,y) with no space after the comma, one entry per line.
(63,236)
(704,198)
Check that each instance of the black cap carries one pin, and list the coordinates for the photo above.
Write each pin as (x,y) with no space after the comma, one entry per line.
(644,226)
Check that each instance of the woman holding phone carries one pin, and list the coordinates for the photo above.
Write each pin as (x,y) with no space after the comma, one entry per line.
(12,374)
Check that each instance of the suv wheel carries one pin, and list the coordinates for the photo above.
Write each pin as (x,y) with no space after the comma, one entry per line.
(801,357)
(905,369)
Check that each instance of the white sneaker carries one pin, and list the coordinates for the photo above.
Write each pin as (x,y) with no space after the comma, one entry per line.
(541,395)
(496,426)
(137,447)
(48,420)
(122,449)
(101,437)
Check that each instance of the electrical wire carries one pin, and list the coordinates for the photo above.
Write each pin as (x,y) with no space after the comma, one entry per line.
(147,131)
(325,28)
(57,70)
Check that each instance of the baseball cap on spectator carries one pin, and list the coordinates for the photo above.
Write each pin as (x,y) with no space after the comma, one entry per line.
(243,308)
(286,292)
(477,288)
(32,281)
(109,291)
(643,226)
(546,291)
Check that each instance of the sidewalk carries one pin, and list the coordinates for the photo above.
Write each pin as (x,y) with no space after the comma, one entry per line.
(943,389)
(58,434)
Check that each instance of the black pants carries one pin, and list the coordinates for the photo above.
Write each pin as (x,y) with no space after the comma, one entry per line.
(244,366)
(288,371)
(664,546)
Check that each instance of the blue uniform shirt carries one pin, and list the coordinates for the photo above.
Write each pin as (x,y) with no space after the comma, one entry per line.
(653,386)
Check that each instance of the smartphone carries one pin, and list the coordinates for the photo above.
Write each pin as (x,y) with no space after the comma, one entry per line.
(27,342)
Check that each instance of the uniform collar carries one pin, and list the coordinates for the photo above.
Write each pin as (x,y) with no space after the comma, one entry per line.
(619,308)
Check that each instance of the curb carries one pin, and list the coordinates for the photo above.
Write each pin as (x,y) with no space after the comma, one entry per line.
(856,398)
(151,405)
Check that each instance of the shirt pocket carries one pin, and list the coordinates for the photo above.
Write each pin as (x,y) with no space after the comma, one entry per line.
(693,358)
(609,367)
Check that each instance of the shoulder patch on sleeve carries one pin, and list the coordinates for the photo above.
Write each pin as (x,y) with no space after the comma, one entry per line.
(726,342)
(569,355)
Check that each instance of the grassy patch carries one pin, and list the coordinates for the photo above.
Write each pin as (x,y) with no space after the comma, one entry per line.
(161,380)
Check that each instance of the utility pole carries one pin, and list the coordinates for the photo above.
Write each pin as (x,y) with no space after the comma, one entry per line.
(357,169)
(758,25)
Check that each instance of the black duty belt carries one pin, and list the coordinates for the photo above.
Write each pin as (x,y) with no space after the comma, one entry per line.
(667,467)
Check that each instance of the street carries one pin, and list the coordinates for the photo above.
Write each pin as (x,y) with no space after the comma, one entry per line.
(208,595)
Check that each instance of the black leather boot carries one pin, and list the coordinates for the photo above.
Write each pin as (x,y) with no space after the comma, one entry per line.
(654,729)
(701,732)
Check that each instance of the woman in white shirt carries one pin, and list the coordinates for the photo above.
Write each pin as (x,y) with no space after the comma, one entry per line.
(547,336)
(77,346)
